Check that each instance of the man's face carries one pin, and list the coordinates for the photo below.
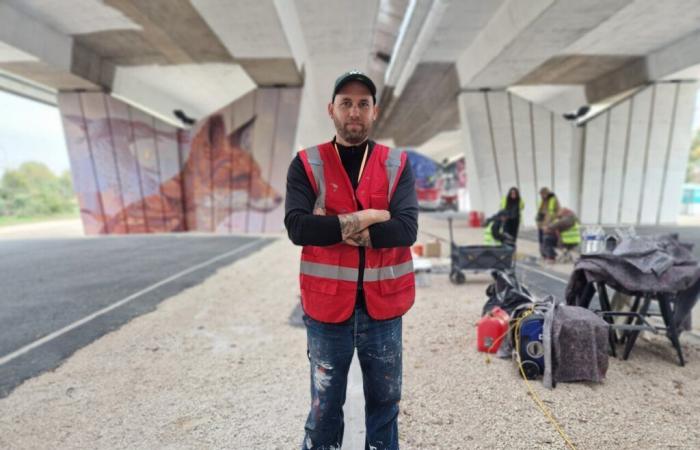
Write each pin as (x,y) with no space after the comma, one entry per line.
(353,112)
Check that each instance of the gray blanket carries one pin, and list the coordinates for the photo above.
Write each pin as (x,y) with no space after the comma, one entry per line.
(660,265)
(575,345)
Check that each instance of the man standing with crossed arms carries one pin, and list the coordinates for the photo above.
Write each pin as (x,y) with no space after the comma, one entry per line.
(351,203)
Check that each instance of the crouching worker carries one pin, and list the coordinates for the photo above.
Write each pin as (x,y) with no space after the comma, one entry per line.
(565,230)
(495,230)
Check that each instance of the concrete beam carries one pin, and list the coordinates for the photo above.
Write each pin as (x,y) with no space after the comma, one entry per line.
(575,69)
(675,57)
(524,35)
(289,19)
(197,89)
(410,29)
(47,75)
(23,88)
(427,107)
(35,38)
(92,68)
(505,26)
(272,71)
(560,98)
(632,75)
(152,32)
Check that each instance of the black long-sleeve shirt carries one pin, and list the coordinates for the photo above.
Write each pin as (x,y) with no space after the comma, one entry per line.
(305,228)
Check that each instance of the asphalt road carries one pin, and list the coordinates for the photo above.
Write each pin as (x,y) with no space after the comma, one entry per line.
(58,295)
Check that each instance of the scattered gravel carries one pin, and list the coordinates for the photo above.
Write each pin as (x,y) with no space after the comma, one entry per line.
(220,366)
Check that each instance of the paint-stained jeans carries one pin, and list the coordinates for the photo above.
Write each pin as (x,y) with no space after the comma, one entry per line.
(330,350)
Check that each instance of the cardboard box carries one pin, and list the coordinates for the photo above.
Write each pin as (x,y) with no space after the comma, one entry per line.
(432,249)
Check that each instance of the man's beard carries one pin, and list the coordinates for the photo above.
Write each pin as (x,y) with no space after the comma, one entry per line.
(352,137)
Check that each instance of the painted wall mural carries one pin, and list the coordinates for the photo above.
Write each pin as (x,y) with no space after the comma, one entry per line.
(135,174)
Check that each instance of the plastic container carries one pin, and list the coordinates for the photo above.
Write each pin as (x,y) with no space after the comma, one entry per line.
(593,241)
(475,219)
(491,329)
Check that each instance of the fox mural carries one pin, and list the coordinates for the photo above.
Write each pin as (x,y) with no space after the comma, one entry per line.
(134,177)
(222,178)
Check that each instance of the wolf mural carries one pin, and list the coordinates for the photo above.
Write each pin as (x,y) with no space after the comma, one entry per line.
(218,182)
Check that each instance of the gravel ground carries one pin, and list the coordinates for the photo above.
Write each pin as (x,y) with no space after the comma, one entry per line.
(219,366)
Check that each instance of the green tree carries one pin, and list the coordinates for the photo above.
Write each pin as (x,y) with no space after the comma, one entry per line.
(33,190)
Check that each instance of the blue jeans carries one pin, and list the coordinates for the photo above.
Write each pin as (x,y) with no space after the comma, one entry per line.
(330,351)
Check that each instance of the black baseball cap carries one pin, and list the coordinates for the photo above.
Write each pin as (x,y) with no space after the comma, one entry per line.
(355,75)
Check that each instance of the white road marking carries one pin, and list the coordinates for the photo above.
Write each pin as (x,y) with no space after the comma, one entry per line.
(84,320)
(548,275)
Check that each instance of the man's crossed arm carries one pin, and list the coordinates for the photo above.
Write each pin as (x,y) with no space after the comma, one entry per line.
(354,226)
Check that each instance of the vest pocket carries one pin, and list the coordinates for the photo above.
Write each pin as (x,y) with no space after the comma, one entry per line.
(322,285)
(402,278)
(323,273)
(387,287)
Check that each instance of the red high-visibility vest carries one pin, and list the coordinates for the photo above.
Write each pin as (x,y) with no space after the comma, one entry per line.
(328,275)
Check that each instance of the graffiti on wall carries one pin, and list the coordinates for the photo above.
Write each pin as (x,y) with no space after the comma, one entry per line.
(135,174)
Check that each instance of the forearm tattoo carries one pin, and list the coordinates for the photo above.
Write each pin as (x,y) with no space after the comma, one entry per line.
(361,239)
(349,225)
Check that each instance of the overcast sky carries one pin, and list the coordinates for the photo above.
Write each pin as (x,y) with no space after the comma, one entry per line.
(32,131)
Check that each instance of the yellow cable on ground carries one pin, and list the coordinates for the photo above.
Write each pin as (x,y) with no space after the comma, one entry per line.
(548,414)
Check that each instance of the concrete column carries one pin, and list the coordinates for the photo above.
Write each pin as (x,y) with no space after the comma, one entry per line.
(676,162)
(613,163)
(522,130)
(473,178)
(635,157)
(512,142)
(314,124)
(594,146)
(564,154)
(640,109)
(657,147)
(483,174)
(575,164)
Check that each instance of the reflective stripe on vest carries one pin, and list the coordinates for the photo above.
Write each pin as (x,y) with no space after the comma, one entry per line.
(329,271)
(393,163)
(313,156)
(349,274)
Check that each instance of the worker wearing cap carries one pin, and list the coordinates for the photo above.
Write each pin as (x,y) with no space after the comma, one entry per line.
(351,203)
(547,210)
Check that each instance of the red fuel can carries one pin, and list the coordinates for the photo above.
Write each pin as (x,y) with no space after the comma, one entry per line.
(491,330)
(476,218)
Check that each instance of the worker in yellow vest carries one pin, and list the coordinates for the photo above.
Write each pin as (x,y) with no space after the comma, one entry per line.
(495,230)
(547,210)
(513,205)
(564,231)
